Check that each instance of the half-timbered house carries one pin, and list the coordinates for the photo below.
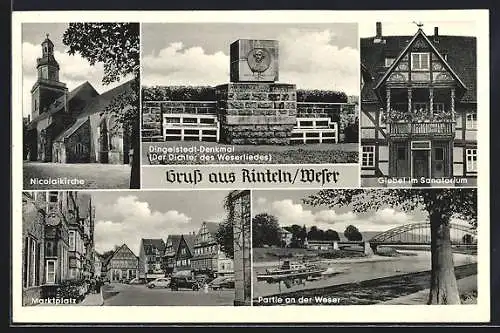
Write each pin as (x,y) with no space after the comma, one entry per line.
(419,110)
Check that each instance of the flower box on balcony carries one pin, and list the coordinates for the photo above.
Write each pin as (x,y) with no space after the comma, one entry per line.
(417,116)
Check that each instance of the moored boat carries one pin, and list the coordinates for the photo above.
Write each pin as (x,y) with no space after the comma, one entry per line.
(291,270)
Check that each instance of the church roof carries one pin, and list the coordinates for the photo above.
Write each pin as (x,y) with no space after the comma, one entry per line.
(93,105)
(100,102)
(68,132)
(83,89)
(460,51)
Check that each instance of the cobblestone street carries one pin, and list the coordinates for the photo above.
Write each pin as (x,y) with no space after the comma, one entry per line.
(122,294)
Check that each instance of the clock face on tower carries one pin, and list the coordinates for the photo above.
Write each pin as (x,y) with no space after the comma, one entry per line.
(259,60)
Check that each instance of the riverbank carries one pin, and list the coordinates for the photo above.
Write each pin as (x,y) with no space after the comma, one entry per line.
(467,288)
(346,271)
(399,289)
(268,254)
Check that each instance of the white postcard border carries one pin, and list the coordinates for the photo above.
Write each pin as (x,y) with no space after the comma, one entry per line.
(191,314)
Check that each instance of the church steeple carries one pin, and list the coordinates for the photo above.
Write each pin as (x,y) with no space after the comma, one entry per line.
(47,87)
(47,66)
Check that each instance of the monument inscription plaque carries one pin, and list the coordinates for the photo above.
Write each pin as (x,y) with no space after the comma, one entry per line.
(254,60)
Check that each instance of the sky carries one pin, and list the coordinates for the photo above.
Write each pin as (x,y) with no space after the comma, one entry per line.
(288,207)
(312,56)
(452,28)
(128,216)
(74,70)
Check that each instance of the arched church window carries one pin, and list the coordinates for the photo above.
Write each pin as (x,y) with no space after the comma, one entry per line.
(79,148)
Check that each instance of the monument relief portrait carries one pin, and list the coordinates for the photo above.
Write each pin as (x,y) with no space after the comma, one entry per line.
(259,60)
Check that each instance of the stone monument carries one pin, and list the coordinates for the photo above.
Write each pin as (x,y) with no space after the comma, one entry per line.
(253,108)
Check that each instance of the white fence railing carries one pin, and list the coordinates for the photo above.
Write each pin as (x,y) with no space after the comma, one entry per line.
(190,127)
(198,127)
(315,130)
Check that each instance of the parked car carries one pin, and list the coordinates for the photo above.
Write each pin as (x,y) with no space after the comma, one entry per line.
(134,281)
(222,282)
(187,282)
(160,282)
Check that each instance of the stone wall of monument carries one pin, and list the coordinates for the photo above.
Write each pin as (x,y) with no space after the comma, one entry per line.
(256,113)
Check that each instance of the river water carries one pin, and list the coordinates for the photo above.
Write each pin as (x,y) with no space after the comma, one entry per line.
(353,270)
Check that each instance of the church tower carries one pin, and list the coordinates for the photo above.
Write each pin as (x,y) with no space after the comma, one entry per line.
(47,88)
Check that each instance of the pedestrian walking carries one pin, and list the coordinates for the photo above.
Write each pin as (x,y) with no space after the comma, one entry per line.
(98,286)
(92,286)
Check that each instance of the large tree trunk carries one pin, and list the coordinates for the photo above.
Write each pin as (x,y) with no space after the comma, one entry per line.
(444,288)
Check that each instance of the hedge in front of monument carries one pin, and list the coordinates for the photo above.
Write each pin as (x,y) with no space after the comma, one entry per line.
(321,96)
(207,93)
(178,93)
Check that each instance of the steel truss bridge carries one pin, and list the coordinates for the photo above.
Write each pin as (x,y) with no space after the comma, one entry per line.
(420,234)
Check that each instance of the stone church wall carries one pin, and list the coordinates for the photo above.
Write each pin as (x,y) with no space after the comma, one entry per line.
(78,145)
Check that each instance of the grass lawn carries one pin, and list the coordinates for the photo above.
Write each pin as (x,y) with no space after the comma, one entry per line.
(95,176)
(287,154)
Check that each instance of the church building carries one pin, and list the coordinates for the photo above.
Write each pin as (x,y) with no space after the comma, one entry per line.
(73,126)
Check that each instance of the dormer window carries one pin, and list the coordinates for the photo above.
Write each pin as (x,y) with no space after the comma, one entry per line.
(420,61)
(389,61)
